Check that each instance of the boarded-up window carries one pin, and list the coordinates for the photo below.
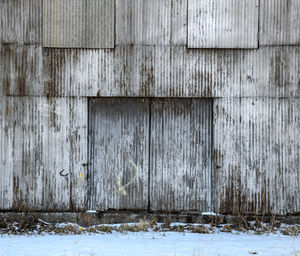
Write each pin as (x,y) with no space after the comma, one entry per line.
(78,23)
(168,139)
(223,24)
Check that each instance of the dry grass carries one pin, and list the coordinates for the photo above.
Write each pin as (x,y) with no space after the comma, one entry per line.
(29,224)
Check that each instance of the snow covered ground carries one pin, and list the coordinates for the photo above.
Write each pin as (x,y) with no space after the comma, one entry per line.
(151,243)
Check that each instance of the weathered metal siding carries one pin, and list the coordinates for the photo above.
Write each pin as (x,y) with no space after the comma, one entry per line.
(270,160)
(150,71)
(226,154)
(43,137)
(78,23)
(180,167)
(279,22)
(223,24)
(271,72)
(21,21)
(21,70)
(256,154)
(155,22)
(119,133)
(255,148)
(156,71)
(6,165)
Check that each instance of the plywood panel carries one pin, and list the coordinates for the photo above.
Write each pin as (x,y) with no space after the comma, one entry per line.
(279,22)
(223,24)
(21,21)
(180,167)
(45,138)
(119,133)
(155,22)
(78,23)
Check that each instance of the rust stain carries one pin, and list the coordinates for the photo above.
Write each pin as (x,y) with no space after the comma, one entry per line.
(278,71)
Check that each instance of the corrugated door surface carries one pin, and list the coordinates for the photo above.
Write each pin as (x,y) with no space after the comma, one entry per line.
(180,166)
(118,134)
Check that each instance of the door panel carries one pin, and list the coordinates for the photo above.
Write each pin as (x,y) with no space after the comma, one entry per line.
(180,165)
(119,133)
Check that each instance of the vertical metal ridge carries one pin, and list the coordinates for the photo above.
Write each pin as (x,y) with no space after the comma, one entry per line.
(150,22)
(280,22)
(78,24)
(223,24)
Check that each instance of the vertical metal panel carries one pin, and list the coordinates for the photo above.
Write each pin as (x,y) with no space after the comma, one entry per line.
(256,155)
(20,21)
(155,22)
(279,22)
(180,168)
(270,159)
(226,154)
(44,137)
(6,153)
(143,71)
(21,70)
(119,133)
(78,23)
(271,72)
(223,24)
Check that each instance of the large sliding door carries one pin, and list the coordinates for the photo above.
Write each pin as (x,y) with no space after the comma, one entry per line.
(169,140)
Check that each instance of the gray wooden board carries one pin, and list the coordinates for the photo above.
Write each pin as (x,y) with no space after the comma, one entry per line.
(42,137)
(21,21)
(78,23)
(223,24)
(118,134)
(279,22)
(180,167)
(155,22)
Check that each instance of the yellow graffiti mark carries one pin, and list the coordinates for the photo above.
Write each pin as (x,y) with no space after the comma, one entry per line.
(79,180)
(121,187)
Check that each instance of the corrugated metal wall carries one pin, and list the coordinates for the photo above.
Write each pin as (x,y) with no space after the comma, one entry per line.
(255,94)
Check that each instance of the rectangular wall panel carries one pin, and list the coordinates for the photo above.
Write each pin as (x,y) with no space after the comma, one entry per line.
(180,167)
(118,137)
(143,71)
(21,70)
(226,155)
(6,153)
(78,23)
(44,139)
(279,22)
(256,155)
(270,159)
(21,22)
(155,22)
(223,24)
(271,72)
